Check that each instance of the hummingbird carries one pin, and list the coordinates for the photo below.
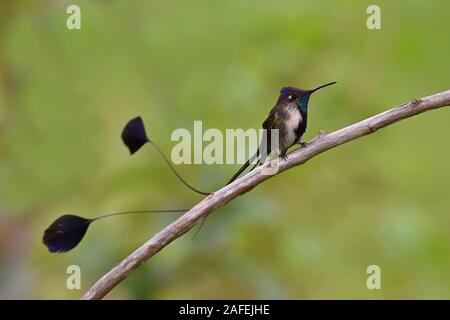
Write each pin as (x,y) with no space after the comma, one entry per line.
(289,116)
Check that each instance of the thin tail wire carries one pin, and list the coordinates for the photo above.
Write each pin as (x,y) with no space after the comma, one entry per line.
(235,176)
(138,211)
(175,171)
(181,179)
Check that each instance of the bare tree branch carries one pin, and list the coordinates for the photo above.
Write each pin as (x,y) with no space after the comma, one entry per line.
(321,143)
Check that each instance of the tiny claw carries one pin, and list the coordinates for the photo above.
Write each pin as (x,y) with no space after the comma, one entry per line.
(303,144)
(284,156)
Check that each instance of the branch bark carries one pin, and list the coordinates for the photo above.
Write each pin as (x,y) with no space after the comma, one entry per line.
(319,144)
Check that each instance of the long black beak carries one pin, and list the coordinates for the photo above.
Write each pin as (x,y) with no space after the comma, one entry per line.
(322,86)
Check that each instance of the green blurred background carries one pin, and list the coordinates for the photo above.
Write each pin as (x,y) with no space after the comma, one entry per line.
(308,233)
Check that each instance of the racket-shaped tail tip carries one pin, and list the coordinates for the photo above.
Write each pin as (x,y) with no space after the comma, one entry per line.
(65,233)
(134,135)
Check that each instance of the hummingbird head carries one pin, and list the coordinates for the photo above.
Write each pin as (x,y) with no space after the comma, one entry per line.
(298,96)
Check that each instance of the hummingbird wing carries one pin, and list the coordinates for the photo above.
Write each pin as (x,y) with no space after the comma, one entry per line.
(267,124)
(273,121)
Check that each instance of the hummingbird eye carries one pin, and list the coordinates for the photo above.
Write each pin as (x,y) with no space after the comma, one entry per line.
(292,97)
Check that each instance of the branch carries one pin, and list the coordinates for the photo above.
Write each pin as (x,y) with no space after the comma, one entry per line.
(319,144)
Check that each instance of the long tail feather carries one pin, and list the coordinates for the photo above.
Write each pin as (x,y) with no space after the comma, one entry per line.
(176,172)
(245,166)
(66,232)
(134,136)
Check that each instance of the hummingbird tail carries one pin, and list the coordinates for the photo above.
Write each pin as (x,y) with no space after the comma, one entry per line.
(66,232)
(175,172)
(134,136)
(245,166)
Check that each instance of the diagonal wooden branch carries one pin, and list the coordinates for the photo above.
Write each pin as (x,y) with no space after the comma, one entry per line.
(321,143)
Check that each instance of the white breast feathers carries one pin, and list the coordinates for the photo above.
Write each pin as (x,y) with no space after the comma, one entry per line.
(294,118)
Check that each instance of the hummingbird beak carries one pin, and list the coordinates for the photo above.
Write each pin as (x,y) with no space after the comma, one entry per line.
(322,86)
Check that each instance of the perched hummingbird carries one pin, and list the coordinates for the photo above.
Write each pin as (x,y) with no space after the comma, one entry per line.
(290,117)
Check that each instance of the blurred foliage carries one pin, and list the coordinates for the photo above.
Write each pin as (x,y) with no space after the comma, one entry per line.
(309,233)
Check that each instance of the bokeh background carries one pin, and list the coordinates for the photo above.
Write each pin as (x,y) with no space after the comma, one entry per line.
(308,233)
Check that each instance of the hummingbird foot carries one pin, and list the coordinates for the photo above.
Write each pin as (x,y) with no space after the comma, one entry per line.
(303,144)
(284,156)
